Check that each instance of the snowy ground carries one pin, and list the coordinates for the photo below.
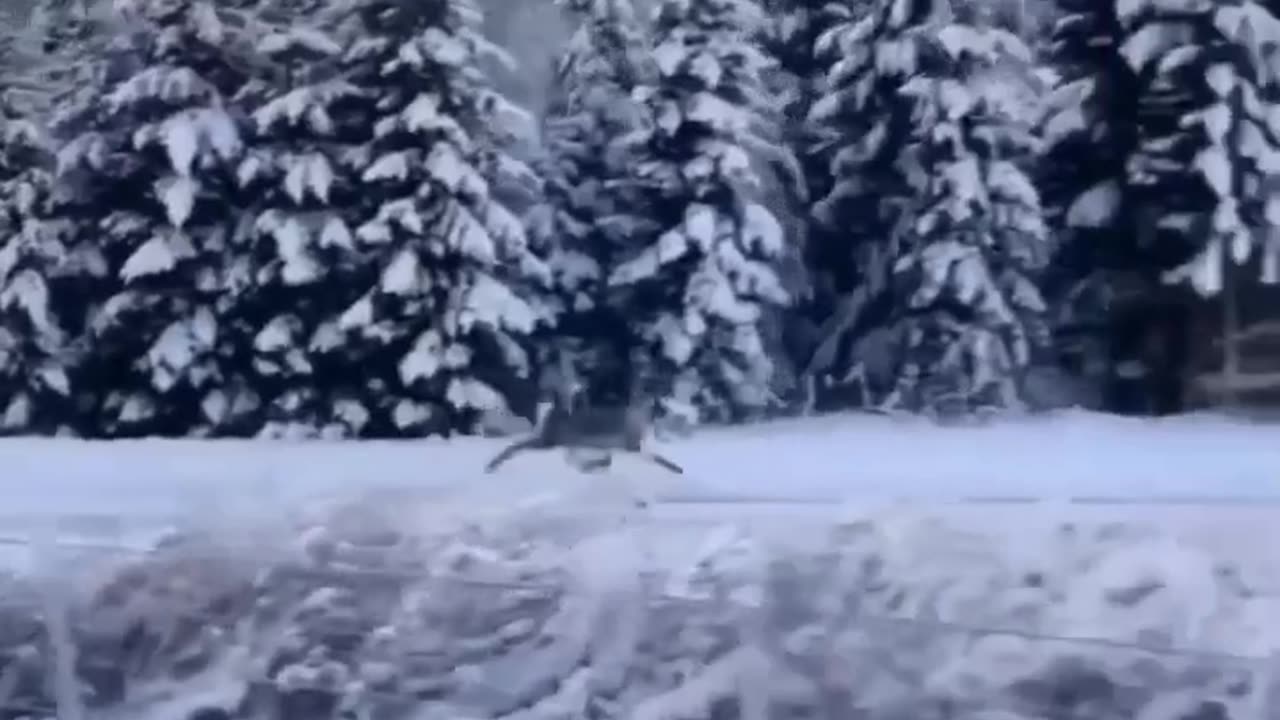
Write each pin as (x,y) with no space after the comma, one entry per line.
(1216,481)
(959,514)
(828,459)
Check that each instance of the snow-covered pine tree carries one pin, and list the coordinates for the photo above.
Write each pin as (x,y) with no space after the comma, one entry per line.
(968,313)
(308,143)
(701,287)
(799,38)
(1206,147)
(909,113)
(866,122)
(1208,151)
(442,325)
(148,182)
(585,218)
(34,380)
(1089,129)
(1141,179)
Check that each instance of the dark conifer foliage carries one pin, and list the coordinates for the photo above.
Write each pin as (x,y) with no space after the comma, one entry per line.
(442,326)
(309,135)
(702,285)
(321,218)
(1153,173)
(152,162)
(587,219)
(35,340)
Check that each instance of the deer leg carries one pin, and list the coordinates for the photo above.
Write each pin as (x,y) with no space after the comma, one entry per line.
(662,462)
(510,451)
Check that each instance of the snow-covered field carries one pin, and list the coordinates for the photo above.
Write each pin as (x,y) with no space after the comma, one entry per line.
(1179,519)
(1071,455)
(1213,478)
(1074,457)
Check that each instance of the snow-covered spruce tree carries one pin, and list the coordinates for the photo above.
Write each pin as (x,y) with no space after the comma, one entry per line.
(34,353)
(308,143)
(700,288)
(1105,281)
(442,325)
(968,313)
(1208,150)
(1089,129)
(866,122)
(1205,145)
(910,114)
(149,187)
(800,38)
(1141,178)
(585,219)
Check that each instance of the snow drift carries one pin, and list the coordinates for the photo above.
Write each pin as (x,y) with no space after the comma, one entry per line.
(399,610)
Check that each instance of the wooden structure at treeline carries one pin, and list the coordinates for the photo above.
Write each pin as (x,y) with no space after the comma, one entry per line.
(1234,352)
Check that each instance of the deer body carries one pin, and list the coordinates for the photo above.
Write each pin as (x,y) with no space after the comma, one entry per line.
(606,428)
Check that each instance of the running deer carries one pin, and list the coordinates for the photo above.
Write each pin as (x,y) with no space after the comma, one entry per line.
(606,428)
